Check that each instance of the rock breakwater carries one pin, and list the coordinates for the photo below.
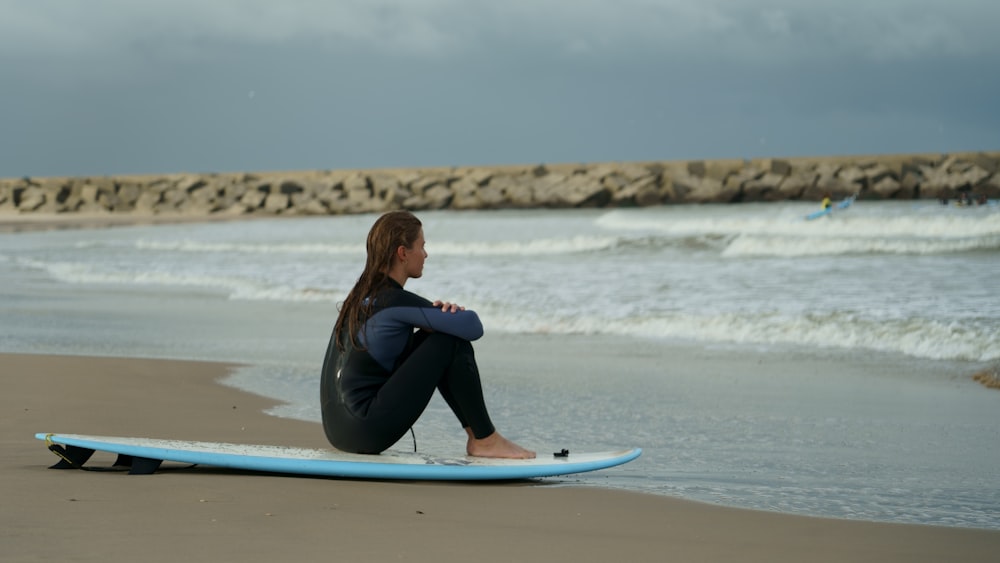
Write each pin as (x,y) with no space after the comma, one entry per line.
(332,192)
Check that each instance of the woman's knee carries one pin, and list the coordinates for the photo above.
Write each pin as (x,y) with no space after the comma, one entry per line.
(443,340)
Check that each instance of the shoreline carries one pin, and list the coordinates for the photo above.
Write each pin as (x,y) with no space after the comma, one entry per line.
(222,514)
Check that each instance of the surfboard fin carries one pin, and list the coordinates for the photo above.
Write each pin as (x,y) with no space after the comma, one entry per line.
(70,457)
(139,465)
(73,457)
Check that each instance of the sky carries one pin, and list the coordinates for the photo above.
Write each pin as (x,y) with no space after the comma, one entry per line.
(104,87)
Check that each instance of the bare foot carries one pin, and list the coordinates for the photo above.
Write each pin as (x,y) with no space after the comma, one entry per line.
(497,446)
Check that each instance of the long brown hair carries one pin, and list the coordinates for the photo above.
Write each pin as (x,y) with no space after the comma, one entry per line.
(390,231)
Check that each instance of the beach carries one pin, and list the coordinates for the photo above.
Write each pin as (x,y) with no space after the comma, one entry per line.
(96,355)
(221,515)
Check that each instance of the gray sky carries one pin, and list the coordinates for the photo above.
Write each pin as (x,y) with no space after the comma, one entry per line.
(129,86)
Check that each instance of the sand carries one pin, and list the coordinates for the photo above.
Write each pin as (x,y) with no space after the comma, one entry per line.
(209,514)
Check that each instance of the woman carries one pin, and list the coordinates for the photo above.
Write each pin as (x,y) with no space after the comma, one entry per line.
(390,349)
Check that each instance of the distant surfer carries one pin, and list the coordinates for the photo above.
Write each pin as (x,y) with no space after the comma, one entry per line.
(826,201)
(390,349)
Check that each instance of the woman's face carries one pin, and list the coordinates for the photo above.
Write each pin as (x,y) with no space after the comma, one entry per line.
(415,256)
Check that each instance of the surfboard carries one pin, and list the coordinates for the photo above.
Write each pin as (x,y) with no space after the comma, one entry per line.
(144,455)
(823,212)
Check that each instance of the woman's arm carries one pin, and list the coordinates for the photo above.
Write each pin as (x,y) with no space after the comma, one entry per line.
(458,322)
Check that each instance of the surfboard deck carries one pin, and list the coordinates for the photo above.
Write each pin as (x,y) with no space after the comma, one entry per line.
(145,455)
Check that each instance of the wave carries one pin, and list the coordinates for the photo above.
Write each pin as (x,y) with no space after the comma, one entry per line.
(233,287)
(249,248)
(732,222)
(756,246)
(786,235)
(730,246)
(919,338)
(543,246)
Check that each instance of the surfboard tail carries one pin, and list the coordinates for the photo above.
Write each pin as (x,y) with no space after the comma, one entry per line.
(74,457)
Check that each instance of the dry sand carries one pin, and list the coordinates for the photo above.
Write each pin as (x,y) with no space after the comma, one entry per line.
(207,514)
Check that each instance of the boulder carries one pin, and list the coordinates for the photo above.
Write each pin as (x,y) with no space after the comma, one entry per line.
(764,188)
(909,186)
(988,163)
(253,199)
(581,190)
(642,192)
(691,189)
(440,197)
(990,187)
(888,188)
(463,194)
(781,167)
(32,198)
(276,202)
(795,185)
(148,202)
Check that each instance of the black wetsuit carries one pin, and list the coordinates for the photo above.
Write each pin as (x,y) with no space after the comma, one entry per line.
(371,397)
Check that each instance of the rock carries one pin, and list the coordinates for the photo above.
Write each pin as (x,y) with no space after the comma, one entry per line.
(764,188)
(990,187)
(190,183)
(690,189)
(276,202)
(696,168)
(853,176)
(987,163)
(253,199)
(580,190)
(795,185)
(909,186)
(289,187)
(514,192)
(781,167)
(463,194)
(642,192)
(542,185)
(32,198)
(888,188)
(147,202)
(356,182)
(389,190)
(878,172)
(722,169)
(128,194)
(306,204)
(6,190)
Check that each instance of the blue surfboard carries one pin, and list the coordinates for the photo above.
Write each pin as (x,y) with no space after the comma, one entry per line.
(824,212)
(144,455)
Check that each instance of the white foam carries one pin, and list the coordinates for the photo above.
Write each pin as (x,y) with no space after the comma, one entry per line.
(919,338)
(787,235)
(753,245)
(249,248)
(877,225)
(495,248)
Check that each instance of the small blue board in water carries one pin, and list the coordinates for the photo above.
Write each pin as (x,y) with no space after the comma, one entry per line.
(144,455)
(824,212)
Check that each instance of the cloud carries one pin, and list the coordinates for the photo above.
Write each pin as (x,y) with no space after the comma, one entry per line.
(160,85)
(750,31)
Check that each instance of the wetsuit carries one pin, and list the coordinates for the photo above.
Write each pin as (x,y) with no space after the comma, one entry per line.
(371,397)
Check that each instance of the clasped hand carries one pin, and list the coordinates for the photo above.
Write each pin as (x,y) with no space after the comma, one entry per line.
(448,307)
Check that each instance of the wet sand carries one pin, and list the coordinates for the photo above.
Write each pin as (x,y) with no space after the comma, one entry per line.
(215,514)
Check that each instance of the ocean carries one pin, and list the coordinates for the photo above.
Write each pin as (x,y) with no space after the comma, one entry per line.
(761,360)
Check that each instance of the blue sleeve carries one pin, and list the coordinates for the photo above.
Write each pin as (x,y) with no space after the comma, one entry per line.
(463,324)
(386,333)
